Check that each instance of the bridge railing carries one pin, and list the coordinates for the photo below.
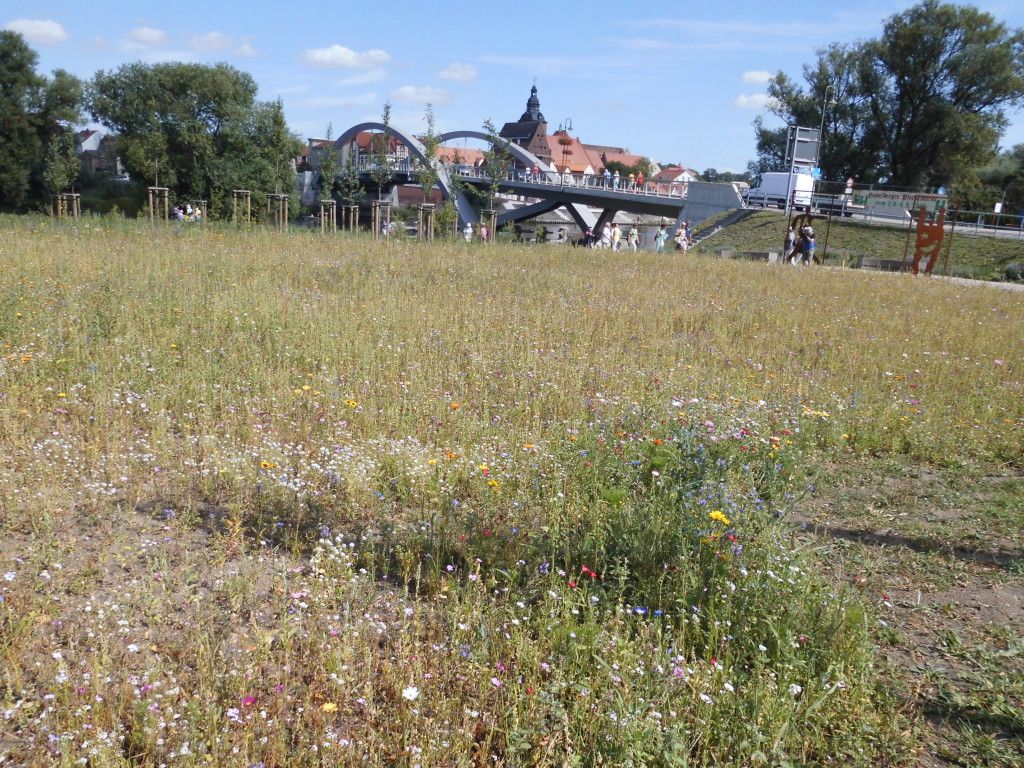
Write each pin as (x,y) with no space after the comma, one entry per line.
(676,190)
(582,180)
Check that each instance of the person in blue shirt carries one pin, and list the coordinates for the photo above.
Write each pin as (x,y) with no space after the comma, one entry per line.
(809,245)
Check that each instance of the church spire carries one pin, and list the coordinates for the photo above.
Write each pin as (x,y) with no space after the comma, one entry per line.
(533,112)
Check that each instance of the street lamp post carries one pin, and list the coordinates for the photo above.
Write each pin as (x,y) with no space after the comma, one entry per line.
(565,141)
(825,103)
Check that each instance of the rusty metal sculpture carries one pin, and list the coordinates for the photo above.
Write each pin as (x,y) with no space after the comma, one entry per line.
(797,224)
(930,235)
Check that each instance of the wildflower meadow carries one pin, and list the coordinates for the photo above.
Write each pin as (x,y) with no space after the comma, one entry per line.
(293,500)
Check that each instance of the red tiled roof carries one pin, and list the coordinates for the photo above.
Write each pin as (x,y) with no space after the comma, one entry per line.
(600,148)
(669,173)
(576,156)
(621,157)
(465,155)
(364,140)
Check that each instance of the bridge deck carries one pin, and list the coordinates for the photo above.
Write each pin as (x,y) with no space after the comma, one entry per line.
(649,198)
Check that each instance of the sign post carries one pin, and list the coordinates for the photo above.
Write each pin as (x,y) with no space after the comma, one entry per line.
(801,156)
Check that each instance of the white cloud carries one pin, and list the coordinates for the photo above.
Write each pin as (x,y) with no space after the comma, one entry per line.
(148,35)
(758,76)
(755,101)
(340,56)
(421,95)
(363,78)
(215,42)
(211,41)
(38,31)
(340,102)
(459,72)
(646,44)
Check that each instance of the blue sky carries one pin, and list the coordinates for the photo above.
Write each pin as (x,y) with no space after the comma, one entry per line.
(677,81)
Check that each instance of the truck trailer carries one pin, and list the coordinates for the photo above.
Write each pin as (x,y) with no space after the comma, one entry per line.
(772,192)
(774,186)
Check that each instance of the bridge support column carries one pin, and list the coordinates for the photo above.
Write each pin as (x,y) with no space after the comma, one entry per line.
(606,217)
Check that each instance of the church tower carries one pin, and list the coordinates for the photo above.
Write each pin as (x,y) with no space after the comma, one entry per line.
(533,113)
(530,131)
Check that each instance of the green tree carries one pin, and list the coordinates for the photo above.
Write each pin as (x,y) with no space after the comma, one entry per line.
(35,112)
(1001,180)
(938,83)
(641,166)
(198,129)
(920,106)
(428,172)
(445,219)
(349,186)
(497,159)
(328,168)
(849,144)
(61,166)
(381,170)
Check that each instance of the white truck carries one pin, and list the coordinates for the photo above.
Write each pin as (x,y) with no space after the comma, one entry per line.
(773,189)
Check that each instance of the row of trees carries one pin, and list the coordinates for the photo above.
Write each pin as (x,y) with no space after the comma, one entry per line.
(923,105)
(195,129)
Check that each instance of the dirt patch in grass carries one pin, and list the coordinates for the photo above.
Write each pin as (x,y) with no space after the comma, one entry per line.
(940,555)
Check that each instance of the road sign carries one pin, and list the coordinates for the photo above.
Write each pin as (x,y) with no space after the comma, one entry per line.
(897,203)
(802,145)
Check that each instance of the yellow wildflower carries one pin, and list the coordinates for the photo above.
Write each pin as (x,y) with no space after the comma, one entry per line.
(719,517)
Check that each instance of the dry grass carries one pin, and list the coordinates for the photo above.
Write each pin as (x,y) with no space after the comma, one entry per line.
(522,447)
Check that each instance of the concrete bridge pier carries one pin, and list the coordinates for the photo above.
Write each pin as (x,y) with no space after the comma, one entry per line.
(527,212)
(606,217)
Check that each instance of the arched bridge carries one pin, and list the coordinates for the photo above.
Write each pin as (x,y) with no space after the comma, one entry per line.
(578,193)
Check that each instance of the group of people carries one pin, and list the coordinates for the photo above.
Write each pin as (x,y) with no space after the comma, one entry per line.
(615,181)
(683,238)
(612,180)
(188,213)
(611,237)
(799,249)
(483,233)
